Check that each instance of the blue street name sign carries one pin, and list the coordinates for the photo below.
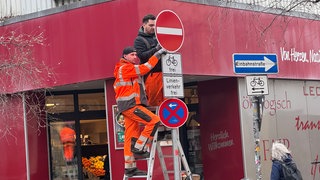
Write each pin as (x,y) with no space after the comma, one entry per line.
(255,63)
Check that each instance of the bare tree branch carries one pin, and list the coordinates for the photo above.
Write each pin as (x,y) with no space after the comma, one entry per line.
(19,70)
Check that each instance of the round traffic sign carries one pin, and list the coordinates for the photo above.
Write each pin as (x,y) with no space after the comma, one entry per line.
(173,113)
(169,30)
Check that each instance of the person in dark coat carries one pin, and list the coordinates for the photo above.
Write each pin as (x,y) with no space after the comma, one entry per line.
(146,45)
(280,155)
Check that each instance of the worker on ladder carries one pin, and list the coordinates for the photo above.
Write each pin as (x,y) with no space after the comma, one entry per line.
(131,100)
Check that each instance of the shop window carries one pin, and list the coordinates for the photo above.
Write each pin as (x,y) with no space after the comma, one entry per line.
(91,102)
(191,95)
(194,145)
(94,148)
(60,103)
(193,149)
(93,132)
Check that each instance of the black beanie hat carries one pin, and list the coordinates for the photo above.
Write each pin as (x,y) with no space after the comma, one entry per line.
(128,50)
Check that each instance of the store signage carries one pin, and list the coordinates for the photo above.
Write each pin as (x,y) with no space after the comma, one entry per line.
(173,113)
(255,63)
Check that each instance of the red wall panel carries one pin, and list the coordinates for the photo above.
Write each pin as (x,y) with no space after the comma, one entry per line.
(12,142)
(220,129)
(37,138)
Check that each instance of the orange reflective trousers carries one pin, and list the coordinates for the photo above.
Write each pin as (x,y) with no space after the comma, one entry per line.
(154,89)
(133,117)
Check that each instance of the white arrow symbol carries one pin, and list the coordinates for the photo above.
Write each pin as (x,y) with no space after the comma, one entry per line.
(172,105)
(266,63)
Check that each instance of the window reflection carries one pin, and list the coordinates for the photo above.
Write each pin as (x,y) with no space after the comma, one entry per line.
(93,132)
(91,102)
(63,154)
(60,103)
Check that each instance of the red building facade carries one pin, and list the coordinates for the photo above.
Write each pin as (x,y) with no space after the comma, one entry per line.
(83,44)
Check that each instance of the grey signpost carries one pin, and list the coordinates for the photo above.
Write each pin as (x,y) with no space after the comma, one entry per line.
(256,66)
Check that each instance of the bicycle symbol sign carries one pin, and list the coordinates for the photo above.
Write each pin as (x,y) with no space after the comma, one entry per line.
(257,85)
(171,60)
(171,64)
(256,81)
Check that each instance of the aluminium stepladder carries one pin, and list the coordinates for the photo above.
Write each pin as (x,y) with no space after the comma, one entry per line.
(177,155)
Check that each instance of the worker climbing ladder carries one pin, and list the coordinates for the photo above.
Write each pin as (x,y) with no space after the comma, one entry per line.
(173,114)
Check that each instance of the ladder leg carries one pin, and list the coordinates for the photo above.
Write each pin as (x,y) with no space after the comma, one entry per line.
(184,161)
(162,162)
(177,144)
(125,177)
(152,156)
(176,155)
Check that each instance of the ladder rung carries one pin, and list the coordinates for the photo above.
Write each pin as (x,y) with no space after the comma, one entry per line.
(171,171)
(143,159)
(139,176)
(167,156)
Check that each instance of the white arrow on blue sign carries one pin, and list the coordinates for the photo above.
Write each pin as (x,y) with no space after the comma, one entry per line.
(255,63)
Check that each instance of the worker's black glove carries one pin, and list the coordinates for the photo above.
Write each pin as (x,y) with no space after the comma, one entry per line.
(161,52)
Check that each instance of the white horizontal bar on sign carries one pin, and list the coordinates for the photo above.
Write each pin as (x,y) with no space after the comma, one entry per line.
(171,31)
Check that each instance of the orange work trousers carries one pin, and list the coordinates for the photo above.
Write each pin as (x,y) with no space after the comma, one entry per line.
(154,88)
(133,118)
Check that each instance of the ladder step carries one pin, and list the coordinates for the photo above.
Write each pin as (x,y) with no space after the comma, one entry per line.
(167,156)
(143,159)
(139,176)
(170,171)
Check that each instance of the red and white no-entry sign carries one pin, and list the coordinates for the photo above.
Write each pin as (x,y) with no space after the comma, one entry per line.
(169,30)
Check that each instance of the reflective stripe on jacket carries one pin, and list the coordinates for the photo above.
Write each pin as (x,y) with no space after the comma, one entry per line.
(129,85)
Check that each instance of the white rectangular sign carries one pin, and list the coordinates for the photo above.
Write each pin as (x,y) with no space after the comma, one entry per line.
(171,64)
(257,85)
(173,86)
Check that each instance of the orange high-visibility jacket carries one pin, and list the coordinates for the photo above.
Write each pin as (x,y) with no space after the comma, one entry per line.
(128,85)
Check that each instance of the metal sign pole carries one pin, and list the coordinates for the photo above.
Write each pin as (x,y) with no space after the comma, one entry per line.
(176,158)
(258,103)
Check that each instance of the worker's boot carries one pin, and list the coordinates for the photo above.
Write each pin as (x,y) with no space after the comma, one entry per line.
(138,154)
(134,172)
